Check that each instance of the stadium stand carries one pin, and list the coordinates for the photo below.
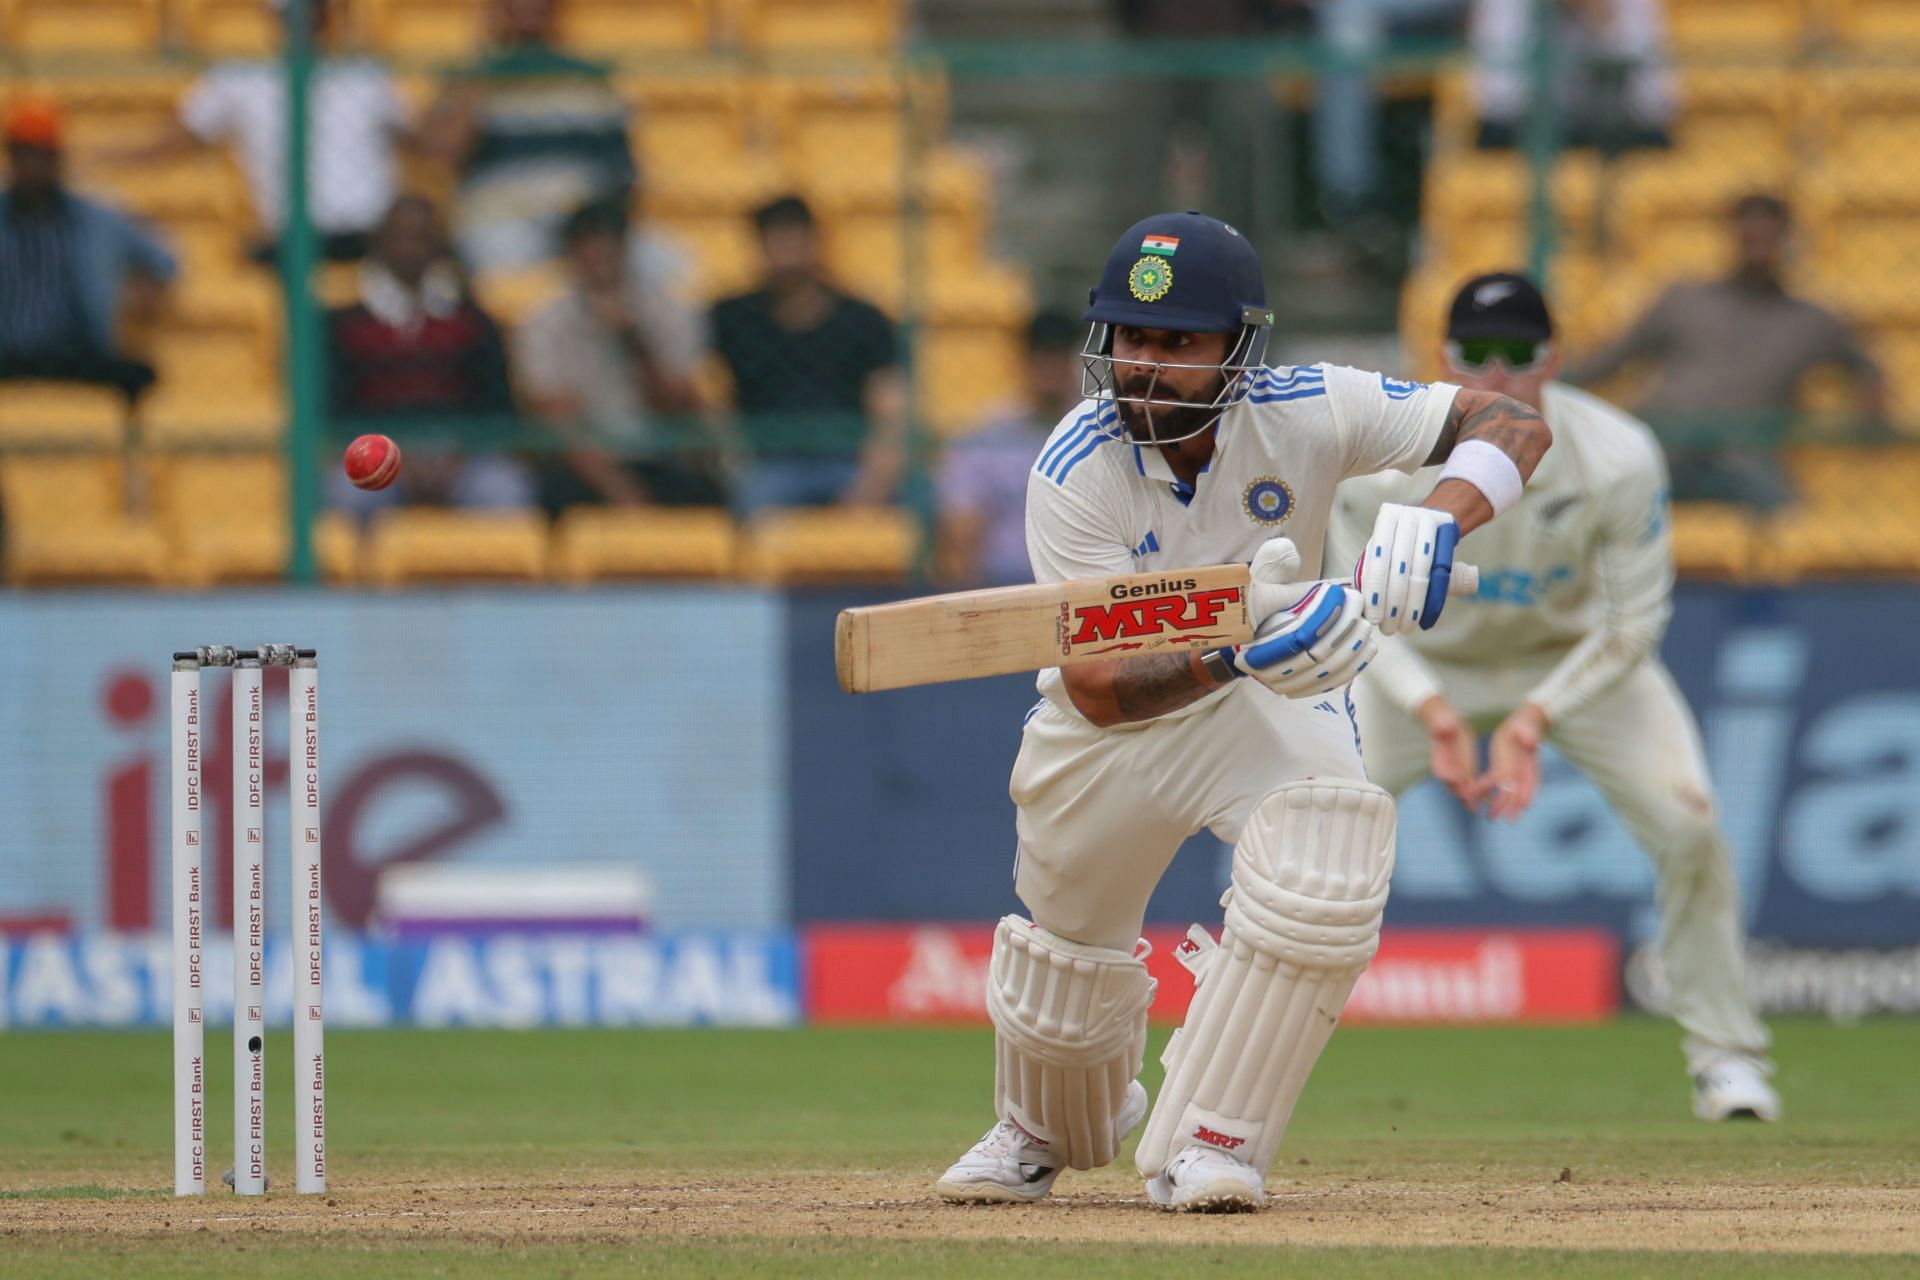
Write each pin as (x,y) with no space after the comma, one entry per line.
(736,100)
(592,544)
(1761,110)
(830,545)
(411,547)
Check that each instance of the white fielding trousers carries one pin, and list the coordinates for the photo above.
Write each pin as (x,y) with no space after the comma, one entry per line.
(1639,745)
(1102,811)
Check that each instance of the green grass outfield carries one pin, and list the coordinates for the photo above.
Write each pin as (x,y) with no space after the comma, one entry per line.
(812,1152)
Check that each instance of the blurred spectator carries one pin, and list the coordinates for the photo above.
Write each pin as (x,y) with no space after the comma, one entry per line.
(1726,359)
(1197,19)
(533,133)
(603,362)
(416,350)
(1346,115)
(72,271)
(816,378)
(1194,139)
(1612,87)
(356,121)
(983,478)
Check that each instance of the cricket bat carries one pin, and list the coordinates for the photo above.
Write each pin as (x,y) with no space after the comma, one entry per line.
(969,634)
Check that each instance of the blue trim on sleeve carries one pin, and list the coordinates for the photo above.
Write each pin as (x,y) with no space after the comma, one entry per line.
(1059,457)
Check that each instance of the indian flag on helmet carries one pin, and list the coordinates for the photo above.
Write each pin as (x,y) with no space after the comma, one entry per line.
(1162,245)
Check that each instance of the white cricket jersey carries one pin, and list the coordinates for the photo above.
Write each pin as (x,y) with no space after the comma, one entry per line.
(1098,505)
(1581,566)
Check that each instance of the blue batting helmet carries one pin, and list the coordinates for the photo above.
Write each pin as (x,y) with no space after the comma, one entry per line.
(1188,272)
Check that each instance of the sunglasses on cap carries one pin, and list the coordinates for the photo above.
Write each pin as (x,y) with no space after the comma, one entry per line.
(1515,355)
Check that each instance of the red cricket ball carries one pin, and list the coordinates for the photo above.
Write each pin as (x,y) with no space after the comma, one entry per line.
(373,462)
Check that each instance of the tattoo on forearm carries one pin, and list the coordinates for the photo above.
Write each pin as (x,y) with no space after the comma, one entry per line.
(1515,429)
(1152,686)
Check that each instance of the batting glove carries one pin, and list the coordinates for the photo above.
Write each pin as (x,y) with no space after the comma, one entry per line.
(1319,644)
(1404,572)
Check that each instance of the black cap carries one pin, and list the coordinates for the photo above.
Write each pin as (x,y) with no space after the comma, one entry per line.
(1503,304)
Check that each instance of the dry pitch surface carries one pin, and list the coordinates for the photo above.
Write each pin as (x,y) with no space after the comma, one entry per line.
(1425,1152)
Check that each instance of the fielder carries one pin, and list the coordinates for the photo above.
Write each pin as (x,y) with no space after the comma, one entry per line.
(1561,645)
(1190,451)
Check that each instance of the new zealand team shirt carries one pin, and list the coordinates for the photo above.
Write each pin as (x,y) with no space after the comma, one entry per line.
(1099,505)
(1581,569)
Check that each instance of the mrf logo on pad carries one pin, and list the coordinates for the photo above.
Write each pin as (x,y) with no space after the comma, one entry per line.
(1214,1138)
(1175,608)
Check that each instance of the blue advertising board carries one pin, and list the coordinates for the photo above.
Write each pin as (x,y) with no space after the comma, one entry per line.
(684,978)
(1812,729)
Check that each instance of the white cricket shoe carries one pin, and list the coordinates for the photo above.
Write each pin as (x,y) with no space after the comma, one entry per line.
(1203,1180)
(1009,1167)
(1734,1087)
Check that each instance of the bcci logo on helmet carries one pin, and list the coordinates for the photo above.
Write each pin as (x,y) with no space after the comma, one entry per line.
(1150,279)
(1269,500)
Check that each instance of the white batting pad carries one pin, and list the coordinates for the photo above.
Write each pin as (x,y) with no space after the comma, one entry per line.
(1303,919)
(1070,1032)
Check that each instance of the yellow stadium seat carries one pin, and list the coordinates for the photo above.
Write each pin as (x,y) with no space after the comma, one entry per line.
(225,516)
(336,548)
(1479,203)
(511,297)
(634,26)
(724,256)
(843,138)
(1714,539)
(593,543)
(834,544)
(694,146)
(81,26)
(1873,477)
(47,490)
(1841,539)
(963,377)
(851,160)
(1699,25)
(955,180)
(243,413)
(112,108)
(114,549)
(1873,24)
(61,413)
(1654,187)
(770,25)
(996,293)
(232,28)
(878,255)
(440,29)
(1898,352)
(209,251)
(420,545)
(219,359)
(1456,113)
(1684,246)
(201,187)
(1863,117)
(258,550)
(1738,118)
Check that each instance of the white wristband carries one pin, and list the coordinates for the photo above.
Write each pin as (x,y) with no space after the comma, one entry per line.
(1488,469)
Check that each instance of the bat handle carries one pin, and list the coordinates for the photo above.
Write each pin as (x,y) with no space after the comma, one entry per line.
(1464,582)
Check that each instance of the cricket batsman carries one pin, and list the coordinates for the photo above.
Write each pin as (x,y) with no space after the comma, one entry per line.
(1189,451)
(1561,645)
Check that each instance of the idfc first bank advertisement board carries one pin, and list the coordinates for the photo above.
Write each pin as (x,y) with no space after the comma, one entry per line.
(526,737)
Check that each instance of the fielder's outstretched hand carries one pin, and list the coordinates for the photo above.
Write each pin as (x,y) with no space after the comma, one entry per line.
(1512,778)
(1453,754)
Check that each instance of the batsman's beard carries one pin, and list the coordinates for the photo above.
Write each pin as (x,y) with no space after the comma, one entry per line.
(1162,423)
